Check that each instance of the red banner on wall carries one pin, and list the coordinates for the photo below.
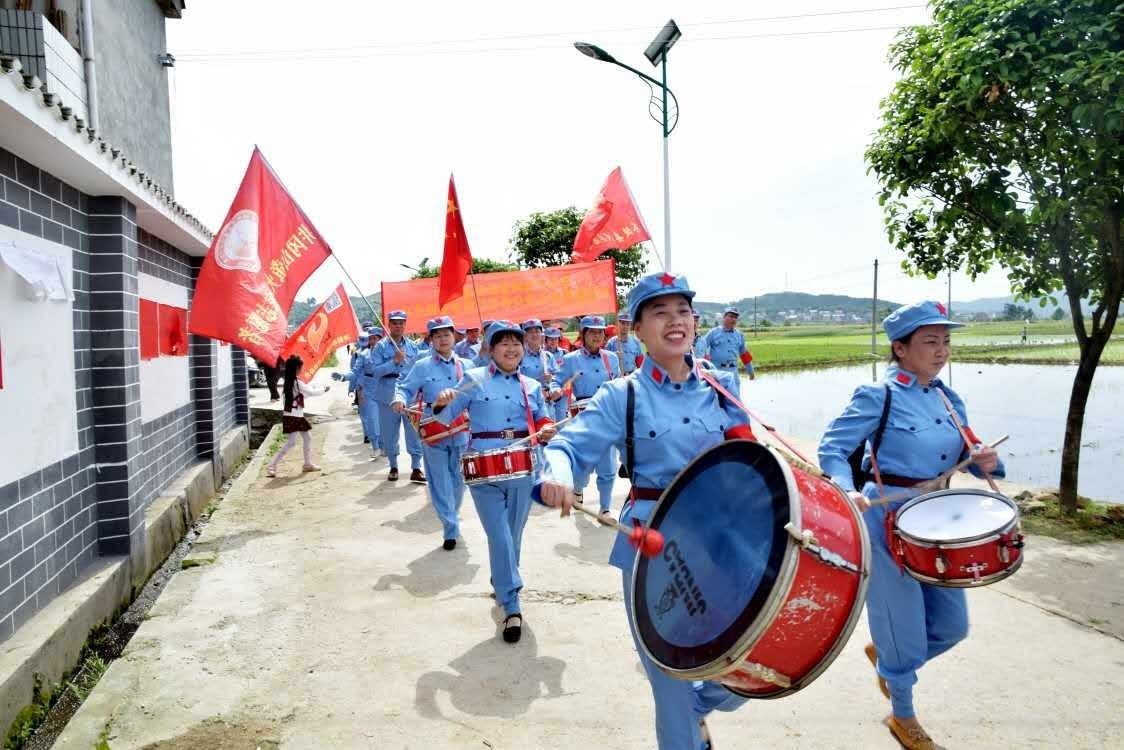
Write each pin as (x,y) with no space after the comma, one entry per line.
(554,292)
(330,326)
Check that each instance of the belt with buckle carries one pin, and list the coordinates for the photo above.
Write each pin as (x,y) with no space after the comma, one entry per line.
(898,481)
(501,435)
(645,493)
(391,375)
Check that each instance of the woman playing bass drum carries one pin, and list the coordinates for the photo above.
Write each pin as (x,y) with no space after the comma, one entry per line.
(924,433)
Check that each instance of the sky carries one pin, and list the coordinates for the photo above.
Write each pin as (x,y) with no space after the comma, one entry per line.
(364,113)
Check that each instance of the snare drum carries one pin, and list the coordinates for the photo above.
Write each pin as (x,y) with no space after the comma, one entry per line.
(577,406)
(762,577)
(497,465)
(957,538)
(433,431)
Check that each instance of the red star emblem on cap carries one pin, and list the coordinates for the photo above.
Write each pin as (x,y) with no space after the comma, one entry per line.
(941,308)
(667,279)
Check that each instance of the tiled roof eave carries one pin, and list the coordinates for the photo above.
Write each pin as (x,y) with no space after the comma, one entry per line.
(93,165)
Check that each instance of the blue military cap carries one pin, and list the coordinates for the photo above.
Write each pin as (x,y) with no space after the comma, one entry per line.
(499,327)
(531,323)
(376,331)
(695,313)
(552,333)
(908,318)
(733,310)
(396,315)
(460,331)
(595,322)
(364,338)
(624,318)
(657,285)
(441,321)
(487,324)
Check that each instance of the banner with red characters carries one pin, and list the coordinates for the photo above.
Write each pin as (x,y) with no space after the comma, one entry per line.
(330,326)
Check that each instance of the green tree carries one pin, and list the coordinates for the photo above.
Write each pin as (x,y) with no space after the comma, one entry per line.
(1003,144)
(547,239)
(479,265)
(1058,314)
(1017,312)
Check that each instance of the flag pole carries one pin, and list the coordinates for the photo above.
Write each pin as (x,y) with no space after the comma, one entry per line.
(374,312)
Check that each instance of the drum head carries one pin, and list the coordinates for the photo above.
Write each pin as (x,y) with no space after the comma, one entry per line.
(951,515)
(723,524)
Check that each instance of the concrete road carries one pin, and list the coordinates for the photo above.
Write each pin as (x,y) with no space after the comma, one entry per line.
(326,615)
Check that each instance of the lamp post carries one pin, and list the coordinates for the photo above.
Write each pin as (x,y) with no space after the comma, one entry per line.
(657,55)
(415,270)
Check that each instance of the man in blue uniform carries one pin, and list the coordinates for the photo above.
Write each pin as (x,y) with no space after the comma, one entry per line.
(910,622)
(363,382)
(725,345)
(585,369)
(503,406)
(427,378)
(699,348)
(468,348)
(391,359)
(677,415)
(551,337)
(626,345)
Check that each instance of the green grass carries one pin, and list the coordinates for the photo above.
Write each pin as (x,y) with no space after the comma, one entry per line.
(817,345)
(1093,521)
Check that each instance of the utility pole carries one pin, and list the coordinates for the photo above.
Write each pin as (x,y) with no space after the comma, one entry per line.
(950,294)
(874,314)
(755,316)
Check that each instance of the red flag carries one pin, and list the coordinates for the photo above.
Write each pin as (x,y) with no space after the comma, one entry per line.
(330,326)
(265,250)
(613,222)
(457,261)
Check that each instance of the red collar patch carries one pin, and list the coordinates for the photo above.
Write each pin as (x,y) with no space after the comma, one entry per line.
(657,375)
(904,379)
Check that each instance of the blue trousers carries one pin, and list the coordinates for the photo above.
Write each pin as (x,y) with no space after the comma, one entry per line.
(390,425)
(369,417)
(910,622)
(445,481)
(503,508)
(606,470)
(680,704)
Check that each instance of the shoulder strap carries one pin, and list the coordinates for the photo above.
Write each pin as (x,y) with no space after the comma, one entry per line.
(630,434)
(877,441)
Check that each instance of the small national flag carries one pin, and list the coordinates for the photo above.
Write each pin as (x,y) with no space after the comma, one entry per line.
(457,260)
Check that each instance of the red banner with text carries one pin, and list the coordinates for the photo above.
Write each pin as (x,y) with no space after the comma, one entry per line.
(331,326)
(554,292)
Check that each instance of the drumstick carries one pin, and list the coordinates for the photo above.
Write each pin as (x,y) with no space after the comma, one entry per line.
(527,439)
(906,494)
(963,433)
(648,541)
(465,389)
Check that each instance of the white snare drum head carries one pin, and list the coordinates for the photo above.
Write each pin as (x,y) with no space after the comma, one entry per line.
(955,515)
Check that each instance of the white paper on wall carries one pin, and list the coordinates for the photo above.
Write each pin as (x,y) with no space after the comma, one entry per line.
(42,273)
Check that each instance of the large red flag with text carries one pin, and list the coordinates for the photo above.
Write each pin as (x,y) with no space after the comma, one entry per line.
(614,222)
(457,261)
(265,250)
(330,326)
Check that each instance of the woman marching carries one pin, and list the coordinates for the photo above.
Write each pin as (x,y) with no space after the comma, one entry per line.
(427,378)
(293,422)
(587,368)
(503,406)
(914,422)
(677,414)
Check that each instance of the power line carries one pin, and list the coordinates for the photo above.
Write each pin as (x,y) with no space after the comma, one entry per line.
(251,54)
(296,57)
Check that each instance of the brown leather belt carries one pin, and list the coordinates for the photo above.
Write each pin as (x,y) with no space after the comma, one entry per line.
(895,481)
(645,493)
(501,435)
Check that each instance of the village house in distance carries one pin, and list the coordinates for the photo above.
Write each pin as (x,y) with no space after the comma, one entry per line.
(118,424)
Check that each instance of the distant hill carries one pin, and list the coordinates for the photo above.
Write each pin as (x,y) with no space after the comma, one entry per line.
(994,306)
(777,303)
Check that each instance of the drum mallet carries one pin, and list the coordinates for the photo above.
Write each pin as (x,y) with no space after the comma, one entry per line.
(648,541)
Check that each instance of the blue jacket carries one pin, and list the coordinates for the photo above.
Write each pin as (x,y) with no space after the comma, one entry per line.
(429,376)
(726,348)
(385,371)
(628,351)
(588,370)
(495,402)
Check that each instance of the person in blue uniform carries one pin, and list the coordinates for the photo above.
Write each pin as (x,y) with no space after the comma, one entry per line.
(427,378)
(677,415)
(586,369)
(503,406)
(391,359)
(910,622)
(537,362)
(551,337)
(362,382)
(725,345)
(626,345)
(699,348)
(470,345)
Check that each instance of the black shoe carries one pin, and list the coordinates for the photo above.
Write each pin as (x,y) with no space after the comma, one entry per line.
(450,544)
(417,477)
(392,476)
(366,439)
(512,633)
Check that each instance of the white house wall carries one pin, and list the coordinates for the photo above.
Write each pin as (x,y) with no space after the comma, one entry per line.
(37,350)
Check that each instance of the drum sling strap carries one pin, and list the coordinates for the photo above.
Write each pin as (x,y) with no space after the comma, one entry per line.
(859,477)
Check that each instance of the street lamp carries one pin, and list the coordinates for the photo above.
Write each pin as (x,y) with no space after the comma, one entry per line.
(415,270)
(657,55)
